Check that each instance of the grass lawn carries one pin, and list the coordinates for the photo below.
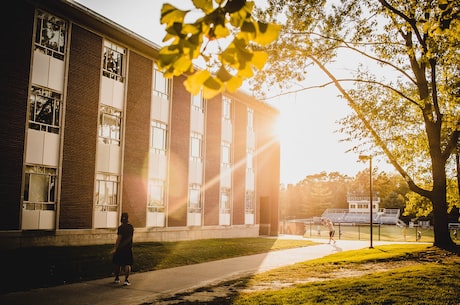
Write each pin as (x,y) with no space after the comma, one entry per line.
(390,274)
(49,266)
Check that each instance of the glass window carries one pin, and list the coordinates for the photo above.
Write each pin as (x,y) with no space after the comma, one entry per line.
(109,125)
(226,108)
(194,197)
(44,110)
(156,195)
(158,136)
(106,192)
(112,66)
(250,119)
(249,202)
(40,188)
(226,154)
(249,159)
(161,84)
(50,35)
(195,146)
(197,102)
(225,200)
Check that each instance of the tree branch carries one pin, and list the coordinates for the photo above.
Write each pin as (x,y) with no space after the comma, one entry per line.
(374,134)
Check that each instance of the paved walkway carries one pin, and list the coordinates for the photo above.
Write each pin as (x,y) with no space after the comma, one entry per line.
(148,286)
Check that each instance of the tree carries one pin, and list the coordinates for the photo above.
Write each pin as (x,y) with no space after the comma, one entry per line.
(413,118)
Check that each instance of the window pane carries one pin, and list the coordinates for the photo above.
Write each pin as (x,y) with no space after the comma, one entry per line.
(50,35)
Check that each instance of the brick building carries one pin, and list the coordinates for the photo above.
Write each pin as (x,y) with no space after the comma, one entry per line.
(90,128)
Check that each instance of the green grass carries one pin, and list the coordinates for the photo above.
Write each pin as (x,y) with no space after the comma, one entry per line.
(49,266)
(433,278)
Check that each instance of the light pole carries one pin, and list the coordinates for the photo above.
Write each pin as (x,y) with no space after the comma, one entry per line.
(364,158)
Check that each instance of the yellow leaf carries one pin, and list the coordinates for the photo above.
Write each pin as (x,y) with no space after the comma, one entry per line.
(204,5)
(170,14)
(194,82)
(183,65)
(267,33)
(234,84)
(221,31)
(259,59)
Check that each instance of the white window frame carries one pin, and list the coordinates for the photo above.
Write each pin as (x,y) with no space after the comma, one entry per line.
(40,185)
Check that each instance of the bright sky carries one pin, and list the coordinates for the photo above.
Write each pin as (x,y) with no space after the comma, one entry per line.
(309,144)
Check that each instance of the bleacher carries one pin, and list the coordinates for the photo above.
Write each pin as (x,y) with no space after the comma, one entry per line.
(383,216)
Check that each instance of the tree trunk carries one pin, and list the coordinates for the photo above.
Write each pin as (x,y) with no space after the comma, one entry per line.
(438,198)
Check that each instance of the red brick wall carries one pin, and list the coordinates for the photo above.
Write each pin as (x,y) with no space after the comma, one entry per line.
(179,154)
(136,148)
(267,162)
(239,161)
(80,134)
(17,25)
(212,164)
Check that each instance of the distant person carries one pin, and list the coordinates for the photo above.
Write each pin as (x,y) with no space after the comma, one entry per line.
(123,250)
(330,226)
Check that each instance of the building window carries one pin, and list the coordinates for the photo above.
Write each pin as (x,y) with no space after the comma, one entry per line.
(249,159)
(109,125)
(45,110)
(112,66)
(156,195)
(226,160)
(249,202)
(161,84)
(50,36)
(158,137)
(194,198)
(250,119)
(226,108)
(197,102)
(225,200)
(40,188)
(195,146)
(106,191)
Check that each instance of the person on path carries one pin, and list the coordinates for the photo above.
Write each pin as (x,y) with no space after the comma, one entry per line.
(123,250)
(330,227)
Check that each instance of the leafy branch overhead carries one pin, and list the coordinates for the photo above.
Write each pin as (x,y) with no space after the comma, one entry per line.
(224,37)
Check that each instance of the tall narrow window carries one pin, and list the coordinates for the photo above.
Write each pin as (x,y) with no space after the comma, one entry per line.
(197,102)
(156,195)
(249,159)
(161,84)
(109,125)
(40,188)
(158,137)
(112,66)
(194,198)
(50,36)
(226,161)
(226,108)
(45,110)
(250,119)
(224,200)
(106,190)
(195,146)
(249,202)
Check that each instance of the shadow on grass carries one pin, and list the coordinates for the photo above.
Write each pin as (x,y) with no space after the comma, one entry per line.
(39,267)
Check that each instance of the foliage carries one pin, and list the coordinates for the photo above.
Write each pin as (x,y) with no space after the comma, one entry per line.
(225,37)
(402,82)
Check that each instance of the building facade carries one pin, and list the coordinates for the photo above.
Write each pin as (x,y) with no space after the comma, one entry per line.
(90,129)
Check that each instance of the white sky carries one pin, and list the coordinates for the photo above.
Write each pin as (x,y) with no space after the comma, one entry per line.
(309,144)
